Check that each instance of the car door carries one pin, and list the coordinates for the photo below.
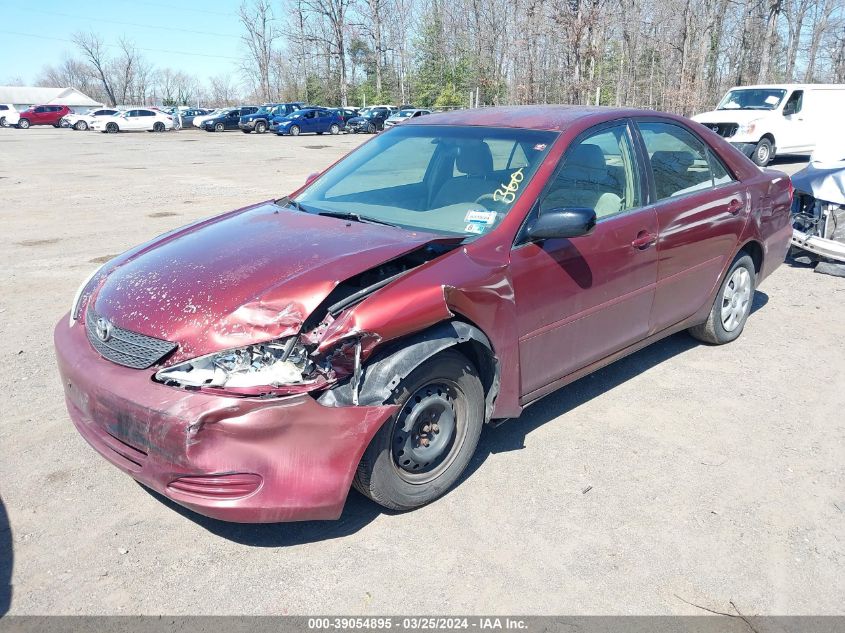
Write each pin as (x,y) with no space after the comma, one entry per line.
(701,211)
(308,121)
(794,133)
(579,300)
(231,120)
(39,115)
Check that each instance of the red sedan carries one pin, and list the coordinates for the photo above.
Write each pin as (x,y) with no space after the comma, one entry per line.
(446,274)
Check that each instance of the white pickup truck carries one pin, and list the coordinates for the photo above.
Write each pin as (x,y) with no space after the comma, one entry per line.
(766,120)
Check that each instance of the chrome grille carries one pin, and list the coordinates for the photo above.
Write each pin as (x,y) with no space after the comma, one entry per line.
(126,348)
(723,129)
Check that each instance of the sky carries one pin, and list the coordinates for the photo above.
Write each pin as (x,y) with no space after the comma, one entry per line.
(200,37)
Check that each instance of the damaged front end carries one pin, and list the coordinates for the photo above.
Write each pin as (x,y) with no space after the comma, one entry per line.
(818,211)
(306,361)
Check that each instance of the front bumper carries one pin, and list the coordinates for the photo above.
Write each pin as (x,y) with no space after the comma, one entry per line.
(249,125)
(745,148)
(246,460)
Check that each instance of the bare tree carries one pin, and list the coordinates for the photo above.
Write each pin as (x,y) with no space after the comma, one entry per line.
(261,35)
(93,49)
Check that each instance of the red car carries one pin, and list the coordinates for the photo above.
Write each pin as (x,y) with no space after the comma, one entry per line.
(43,115)
(446,274)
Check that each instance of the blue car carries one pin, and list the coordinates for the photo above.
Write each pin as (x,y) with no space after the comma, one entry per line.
(259,122)
(307,121)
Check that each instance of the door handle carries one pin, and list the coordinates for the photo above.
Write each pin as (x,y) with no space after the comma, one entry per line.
(644,240)
(734,206)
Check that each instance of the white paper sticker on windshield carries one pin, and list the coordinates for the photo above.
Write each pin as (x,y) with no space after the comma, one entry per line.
(481,217)
(474,227)
(772,99)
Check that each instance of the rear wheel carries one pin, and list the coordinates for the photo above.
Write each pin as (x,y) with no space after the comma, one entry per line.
(763,153)
(334,129)
(158,126)
(3,122)
(420,453)
(732,305)
(294,130)
(23,124)
(112,128)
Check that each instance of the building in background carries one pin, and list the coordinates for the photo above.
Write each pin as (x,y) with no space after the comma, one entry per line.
(23,97)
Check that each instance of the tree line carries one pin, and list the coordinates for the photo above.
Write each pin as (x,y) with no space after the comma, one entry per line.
(674,55)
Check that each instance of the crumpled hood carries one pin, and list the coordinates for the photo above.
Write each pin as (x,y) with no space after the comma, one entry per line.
(243,278)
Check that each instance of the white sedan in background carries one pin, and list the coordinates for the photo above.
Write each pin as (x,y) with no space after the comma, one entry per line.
(199,120)
(9,115)
(84,121)
(404,115)
(134,121)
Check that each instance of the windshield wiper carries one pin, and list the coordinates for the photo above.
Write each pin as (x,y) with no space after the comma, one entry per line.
(355,217)
(288,202)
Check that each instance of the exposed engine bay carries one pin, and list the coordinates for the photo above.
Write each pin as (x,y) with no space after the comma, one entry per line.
(818,210)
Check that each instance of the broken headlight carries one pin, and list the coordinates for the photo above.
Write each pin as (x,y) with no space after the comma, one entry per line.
(253,369)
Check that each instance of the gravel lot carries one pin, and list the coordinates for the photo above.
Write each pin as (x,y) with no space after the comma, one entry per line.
(716,474)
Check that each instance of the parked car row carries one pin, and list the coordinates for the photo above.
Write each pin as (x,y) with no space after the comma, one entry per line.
(291,119)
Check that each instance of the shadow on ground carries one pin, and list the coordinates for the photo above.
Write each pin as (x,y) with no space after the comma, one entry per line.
(6,560)
(359,511)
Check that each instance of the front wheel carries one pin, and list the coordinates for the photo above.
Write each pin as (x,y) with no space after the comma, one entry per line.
(219,127)
(371,129)
(419,454)
(23,124)
(112,128)
(294,130)
(81,126)
(763,153)
(260,127)
(732,305)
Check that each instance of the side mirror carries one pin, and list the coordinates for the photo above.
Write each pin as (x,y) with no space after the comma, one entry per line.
(788,109)
(567,222)
(312,177)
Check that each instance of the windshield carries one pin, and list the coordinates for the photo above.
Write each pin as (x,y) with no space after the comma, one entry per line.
(752,99)
(443,179)
(404,114)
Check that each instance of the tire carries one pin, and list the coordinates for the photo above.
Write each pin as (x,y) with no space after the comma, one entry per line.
(219,127)
(371,129)
(392,471)
(732,305)
(763,153)
(23,124)
(294,130)
(80,126)
(3,122)
(158,126)
(245,131)
(260,127)
(334,129)
(112,128)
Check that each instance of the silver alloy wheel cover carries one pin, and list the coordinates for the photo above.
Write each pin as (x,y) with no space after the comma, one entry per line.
(736,299)
(763,153)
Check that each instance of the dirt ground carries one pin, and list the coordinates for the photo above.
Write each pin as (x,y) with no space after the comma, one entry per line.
(682,474)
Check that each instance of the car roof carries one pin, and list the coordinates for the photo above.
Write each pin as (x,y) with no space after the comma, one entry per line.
(533,117)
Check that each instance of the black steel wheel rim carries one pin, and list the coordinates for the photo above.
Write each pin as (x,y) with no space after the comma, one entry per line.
(428,432)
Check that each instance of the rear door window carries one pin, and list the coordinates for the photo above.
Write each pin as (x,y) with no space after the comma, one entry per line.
(679,160)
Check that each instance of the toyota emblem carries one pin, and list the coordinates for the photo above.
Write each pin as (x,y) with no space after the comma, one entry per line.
(103,329)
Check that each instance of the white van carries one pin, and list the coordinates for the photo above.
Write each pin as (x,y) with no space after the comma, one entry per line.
(776,119)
